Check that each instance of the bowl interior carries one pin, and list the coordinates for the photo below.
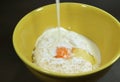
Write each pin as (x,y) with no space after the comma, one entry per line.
(92,22)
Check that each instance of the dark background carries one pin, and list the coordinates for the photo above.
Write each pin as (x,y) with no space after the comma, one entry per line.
(12,68)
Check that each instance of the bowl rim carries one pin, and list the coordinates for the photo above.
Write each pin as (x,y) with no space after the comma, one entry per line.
(33,66)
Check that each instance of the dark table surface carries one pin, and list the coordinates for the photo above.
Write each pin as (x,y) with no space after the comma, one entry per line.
(12,68)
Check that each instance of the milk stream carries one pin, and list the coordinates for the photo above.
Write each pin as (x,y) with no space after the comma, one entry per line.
(58,20)
(58,12)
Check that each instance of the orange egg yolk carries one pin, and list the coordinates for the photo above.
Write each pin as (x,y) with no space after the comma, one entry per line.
(62,52)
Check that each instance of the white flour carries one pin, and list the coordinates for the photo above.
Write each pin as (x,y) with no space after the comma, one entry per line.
(47,44)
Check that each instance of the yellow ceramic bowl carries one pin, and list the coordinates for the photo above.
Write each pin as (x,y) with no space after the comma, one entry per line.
(96,24)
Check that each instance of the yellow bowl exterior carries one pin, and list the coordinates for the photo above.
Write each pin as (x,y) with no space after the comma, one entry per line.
(94,23)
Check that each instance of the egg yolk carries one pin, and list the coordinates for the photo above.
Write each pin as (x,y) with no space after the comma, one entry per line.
(62,52)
